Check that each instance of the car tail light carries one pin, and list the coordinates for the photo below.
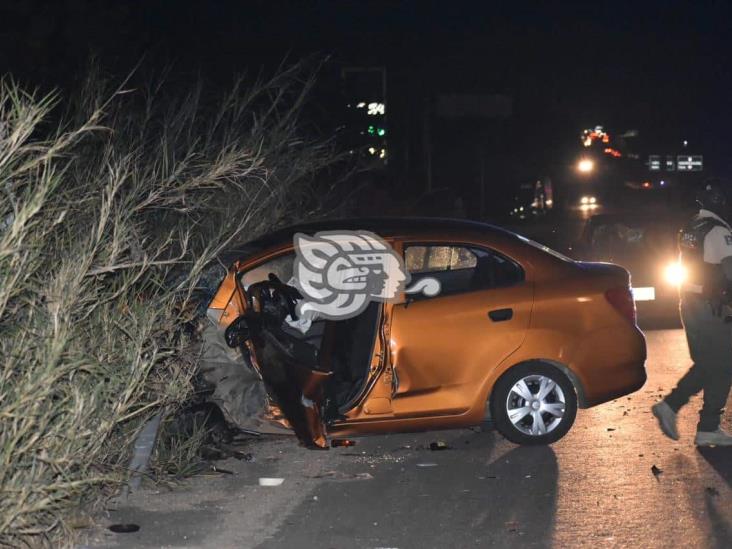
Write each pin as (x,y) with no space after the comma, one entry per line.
(621,299)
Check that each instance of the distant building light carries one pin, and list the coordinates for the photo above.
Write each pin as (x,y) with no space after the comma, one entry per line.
(381,132)
(590,135)
(382,154)
(361,105)
(376,109)
(663,183)
(372,150)
(690,163)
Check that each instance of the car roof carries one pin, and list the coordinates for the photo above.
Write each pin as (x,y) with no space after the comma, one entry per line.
(382,226)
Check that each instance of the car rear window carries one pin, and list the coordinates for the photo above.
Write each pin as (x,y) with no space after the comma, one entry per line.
(461,268)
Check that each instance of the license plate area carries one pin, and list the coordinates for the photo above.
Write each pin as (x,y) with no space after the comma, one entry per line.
(644,293)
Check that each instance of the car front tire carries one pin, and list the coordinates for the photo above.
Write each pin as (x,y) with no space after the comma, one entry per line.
(533,403)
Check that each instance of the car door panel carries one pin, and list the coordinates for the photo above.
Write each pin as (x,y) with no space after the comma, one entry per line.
(443,348)
(294,371)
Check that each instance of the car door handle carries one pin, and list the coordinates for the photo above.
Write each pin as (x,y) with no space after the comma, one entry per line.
(500,315)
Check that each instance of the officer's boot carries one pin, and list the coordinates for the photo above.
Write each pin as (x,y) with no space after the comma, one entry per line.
(713,438)
(666,419)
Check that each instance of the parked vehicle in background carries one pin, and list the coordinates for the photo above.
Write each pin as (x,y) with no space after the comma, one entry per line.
(646,245)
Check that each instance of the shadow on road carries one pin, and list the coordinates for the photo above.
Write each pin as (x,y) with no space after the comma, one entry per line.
(721,461)
(526,501)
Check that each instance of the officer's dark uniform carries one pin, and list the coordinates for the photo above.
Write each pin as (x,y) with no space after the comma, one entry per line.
(704,243)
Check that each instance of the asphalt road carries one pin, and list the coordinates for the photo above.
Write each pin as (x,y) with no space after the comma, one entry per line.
(595,488)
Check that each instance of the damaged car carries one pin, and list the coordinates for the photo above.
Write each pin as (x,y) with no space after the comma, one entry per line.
(353,327)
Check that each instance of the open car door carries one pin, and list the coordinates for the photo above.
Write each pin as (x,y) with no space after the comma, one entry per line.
(294,371)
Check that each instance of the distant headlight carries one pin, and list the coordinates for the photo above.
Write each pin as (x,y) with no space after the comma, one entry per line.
(675,273)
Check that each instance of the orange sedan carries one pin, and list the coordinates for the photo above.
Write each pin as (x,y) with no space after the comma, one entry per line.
(503,327)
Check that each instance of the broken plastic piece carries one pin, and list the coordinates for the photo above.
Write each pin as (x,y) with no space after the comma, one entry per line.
(656,471)
(270,481)
(222,471)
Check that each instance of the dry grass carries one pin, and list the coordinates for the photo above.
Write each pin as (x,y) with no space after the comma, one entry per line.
(108,216)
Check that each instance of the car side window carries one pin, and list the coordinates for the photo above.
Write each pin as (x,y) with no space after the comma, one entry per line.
(426,259)
(461,268)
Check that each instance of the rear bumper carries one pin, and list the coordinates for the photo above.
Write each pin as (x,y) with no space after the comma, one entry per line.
(610,363)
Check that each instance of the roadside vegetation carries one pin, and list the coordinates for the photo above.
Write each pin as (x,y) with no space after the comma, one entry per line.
(112,203)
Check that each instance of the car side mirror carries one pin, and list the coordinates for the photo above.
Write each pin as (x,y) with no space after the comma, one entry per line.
(237,333)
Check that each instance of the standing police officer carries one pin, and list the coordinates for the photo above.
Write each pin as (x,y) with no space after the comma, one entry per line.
(705,246)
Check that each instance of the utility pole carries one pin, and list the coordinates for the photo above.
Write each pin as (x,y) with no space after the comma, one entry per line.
(481,154)
(427,141)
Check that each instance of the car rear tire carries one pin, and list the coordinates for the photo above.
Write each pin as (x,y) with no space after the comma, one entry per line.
(533,403)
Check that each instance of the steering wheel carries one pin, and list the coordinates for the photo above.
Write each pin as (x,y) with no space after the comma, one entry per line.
(283,292)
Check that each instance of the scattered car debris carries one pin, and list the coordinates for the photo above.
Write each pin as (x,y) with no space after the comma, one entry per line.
(342,443)
(426,465)
(209,469)
(124,528)
(270,481)
(711,490)
(656,472)
(439,445)
(222,471)
(339,475)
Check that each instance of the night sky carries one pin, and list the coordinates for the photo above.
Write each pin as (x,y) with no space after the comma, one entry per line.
(659,67)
